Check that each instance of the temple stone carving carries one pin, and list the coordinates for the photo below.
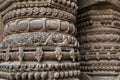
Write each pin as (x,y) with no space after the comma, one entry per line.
(59,40)
(38,40)
(99,36)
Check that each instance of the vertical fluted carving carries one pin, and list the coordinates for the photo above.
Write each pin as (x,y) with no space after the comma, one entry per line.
(38,40)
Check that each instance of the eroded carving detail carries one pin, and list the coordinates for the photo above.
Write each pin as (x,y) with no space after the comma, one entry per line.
(98,34)
(39,40)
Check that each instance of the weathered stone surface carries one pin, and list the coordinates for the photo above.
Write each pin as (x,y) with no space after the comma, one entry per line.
(98,34)
(39,40)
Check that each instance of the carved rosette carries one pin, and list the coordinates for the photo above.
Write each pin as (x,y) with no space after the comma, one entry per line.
(99,37)
(38,40)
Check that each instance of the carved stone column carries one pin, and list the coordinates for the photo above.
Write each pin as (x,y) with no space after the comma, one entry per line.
(99,37)
(38,40)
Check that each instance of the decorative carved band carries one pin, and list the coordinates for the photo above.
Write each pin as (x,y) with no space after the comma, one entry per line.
(40,54)
(65,5)
(38,12)
(103,55)
(39,67)
(99,37)
(41,39)
(100,46)
(99,31)
(70,75)
(106,66)
(40,24)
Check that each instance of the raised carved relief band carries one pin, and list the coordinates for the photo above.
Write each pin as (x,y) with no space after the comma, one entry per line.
(41,25)
(38,12)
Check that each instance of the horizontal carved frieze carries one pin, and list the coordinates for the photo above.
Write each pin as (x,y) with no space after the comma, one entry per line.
(40,25)
(100,46)
(41,75)
(101,66)
(101,55)
(98,31)
(66,5)
(99,38)
(40,54)
(38,12)
(41,39)
(39,67)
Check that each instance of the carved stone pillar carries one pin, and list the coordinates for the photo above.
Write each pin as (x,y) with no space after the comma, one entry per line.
(38,40)
(99,37)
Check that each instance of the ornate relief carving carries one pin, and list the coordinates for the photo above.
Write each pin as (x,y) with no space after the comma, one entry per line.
(41,25)
(40,12)
(98,34)
(38,40)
